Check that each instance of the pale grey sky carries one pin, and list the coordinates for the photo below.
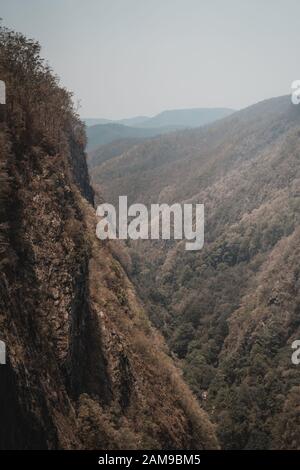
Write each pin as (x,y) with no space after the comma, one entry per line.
(129,57)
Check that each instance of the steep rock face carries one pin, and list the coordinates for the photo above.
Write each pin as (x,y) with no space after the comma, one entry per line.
(84,368)
(78,164)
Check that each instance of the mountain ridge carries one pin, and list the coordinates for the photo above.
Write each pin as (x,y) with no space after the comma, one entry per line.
(164,122)
(102,134)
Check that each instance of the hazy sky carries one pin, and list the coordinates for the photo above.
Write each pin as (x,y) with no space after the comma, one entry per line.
(131,57)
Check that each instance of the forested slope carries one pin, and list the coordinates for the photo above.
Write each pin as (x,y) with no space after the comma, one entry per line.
(231,311)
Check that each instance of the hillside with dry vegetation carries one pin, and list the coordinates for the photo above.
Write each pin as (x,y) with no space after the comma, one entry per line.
(85,369)
(231,311)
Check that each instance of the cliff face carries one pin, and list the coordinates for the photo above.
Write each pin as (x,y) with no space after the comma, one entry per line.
(84,368)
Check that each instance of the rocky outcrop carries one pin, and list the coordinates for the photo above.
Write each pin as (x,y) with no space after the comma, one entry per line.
(84,368)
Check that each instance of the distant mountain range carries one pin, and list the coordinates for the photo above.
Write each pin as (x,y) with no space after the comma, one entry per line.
(134,121)
(182,118)
(103,134)
(103,131)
